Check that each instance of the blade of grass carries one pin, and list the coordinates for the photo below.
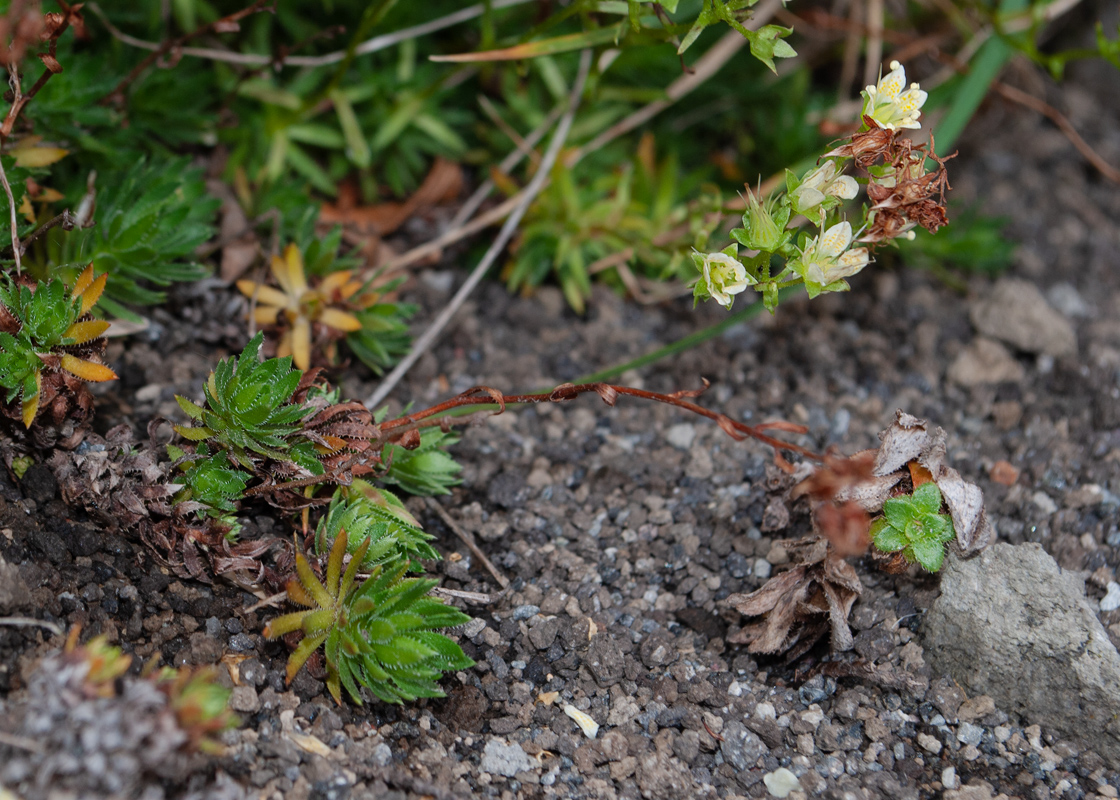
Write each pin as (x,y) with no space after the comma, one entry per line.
(983,70)
(693,339)
(544,47)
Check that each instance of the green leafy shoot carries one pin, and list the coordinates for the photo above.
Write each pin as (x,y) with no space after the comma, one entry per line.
(377,517)
(210,481)
(249,412)
(426,470)
(380,634)
(914,525)
(150,220)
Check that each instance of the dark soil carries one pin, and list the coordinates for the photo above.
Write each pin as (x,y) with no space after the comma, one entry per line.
(625,529)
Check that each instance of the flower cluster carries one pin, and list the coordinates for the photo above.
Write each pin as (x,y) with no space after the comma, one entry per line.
(891,106)
(901,195)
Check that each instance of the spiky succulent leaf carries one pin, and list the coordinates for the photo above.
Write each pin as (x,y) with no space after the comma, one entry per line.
(213,482)
(382,634)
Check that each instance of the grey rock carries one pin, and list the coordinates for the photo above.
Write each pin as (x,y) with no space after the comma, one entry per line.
(984,362)
(662,778)
(1013,625)
(522,613)
(605,660)
(1015,312)
(499,758)
(544,634)
(244,700)
(740,747)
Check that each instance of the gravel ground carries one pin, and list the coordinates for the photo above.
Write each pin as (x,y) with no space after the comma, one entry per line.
(623,531)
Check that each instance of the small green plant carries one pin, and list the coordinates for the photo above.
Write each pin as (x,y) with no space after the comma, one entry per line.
(380,634)
(914,525)
(209,481)
(375,516)
(47,331)
(150,220)
(249,412)
(312,316)
(424,470)
(637,217)
(200,704)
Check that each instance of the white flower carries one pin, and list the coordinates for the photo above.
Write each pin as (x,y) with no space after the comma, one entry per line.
(827,259)
(889,106)
(821,183)
(723,276)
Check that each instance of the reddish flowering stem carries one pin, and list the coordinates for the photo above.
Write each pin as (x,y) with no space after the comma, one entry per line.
(484,395)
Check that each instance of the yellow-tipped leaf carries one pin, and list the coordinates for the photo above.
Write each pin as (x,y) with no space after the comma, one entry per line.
(82,332)
(340,320)
(31,403)
(87,370)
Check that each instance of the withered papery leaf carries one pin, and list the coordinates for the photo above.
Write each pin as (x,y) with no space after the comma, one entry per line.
(966,507)
(794,605)
(903,441)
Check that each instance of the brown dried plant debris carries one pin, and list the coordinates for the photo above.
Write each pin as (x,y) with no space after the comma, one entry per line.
(117,482)
(798,606)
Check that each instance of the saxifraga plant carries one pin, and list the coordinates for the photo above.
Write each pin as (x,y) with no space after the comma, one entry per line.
(249,413)
(380,634)
(318,303)
(377,519)
(914,525)
(50,344)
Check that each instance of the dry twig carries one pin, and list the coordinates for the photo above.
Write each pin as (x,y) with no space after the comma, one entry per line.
(469,541)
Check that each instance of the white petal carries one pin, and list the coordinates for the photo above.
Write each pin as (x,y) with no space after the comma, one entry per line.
(836,239)
(911,100)
(844,187)
(893,82)
(820,176)
(808,197)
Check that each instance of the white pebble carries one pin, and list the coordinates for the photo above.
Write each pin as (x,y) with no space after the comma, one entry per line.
(735,689)
(949,778)
(781,782)
(589,726)
(1111,601)
(765,711)
(1044,502)
(929,743)
(762,568)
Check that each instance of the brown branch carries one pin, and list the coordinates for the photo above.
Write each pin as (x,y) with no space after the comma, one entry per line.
(484,395)
(1064,125)
(393,431)
(223,25)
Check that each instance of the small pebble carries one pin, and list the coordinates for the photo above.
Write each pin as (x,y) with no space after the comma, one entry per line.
(929,743)
(762,568)
(781,782)
(949,778)
(1111,601)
